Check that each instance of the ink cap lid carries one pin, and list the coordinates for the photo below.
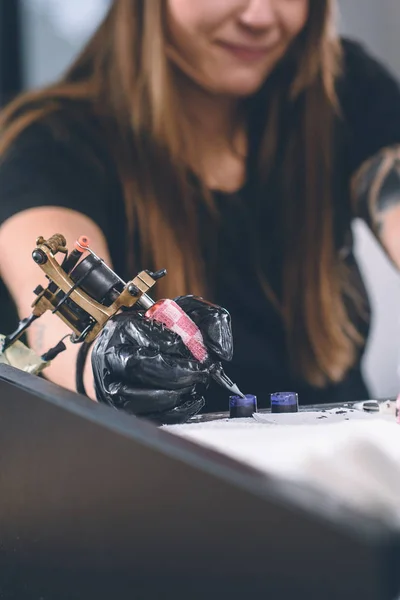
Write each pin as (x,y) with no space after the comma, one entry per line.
(248,400)
(284,398)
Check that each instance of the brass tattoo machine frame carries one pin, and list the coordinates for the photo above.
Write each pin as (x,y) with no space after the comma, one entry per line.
(83,291)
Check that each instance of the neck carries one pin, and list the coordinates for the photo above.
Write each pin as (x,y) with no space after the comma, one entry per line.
(211,115)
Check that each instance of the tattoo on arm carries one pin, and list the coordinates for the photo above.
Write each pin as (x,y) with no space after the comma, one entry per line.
(376,196)
(37,340)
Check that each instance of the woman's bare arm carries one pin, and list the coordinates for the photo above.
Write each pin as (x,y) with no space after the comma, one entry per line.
(21,275)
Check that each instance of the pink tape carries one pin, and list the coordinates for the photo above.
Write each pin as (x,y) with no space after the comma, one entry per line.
(174,318)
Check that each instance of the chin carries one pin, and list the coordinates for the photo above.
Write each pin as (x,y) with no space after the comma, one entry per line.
(242,83)
(241,88)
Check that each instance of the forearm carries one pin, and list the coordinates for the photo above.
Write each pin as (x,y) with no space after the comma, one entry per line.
(44,334)
(376,194)
(21,275)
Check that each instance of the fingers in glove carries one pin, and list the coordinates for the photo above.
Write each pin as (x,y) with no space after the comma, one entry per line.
(143,401)
(179,414)
(145,367)
(214,323)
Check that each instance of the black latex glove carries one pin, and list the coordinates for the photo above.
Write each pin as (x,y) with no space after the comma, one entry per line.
(143,368)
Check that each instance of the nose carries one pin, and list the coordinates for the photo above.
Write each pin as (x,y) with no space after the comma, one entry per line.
(258,14)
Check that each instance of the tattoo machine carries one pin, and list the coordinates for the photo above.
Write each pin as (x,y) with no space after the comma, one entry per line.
(85,293)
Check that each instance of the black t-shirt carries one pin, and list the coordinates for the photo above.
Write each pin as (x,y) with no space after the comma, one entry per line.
(72,168)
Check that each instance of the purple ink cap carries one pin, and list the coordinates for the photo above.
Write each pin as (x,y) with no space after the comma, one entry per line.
(242,407)
(282,402)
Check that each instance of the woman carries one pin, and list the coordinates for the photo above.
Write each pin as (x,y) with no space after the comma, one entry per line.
(231,142)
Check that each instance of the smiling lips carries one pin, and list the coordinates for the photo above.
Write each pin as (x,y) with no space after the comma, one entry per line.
(247,53)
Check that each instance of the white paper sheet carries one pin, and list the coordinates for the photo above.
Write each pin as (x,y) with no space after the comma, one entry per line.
(353,456)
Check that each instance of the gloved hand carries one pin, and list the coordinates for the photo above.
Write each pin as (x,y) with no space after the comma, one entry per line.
(145,369)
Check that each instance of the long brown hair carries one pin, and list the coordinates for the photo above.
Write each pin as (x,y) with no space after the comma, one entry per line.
(124,77)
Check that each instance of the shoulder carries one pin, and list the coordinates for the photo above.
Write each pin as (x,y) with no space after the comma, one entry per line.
(361,62)
(59,160)
(365,80)
(67,131)
(369,98)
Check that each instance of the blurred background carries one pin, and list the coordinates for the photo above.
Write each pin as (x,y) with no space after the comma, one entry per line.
(38,39)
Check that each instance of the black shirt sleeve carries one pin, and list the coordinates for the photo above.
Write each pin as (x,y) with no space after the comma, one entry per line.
(65,164)
(43,167)
(370,103)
